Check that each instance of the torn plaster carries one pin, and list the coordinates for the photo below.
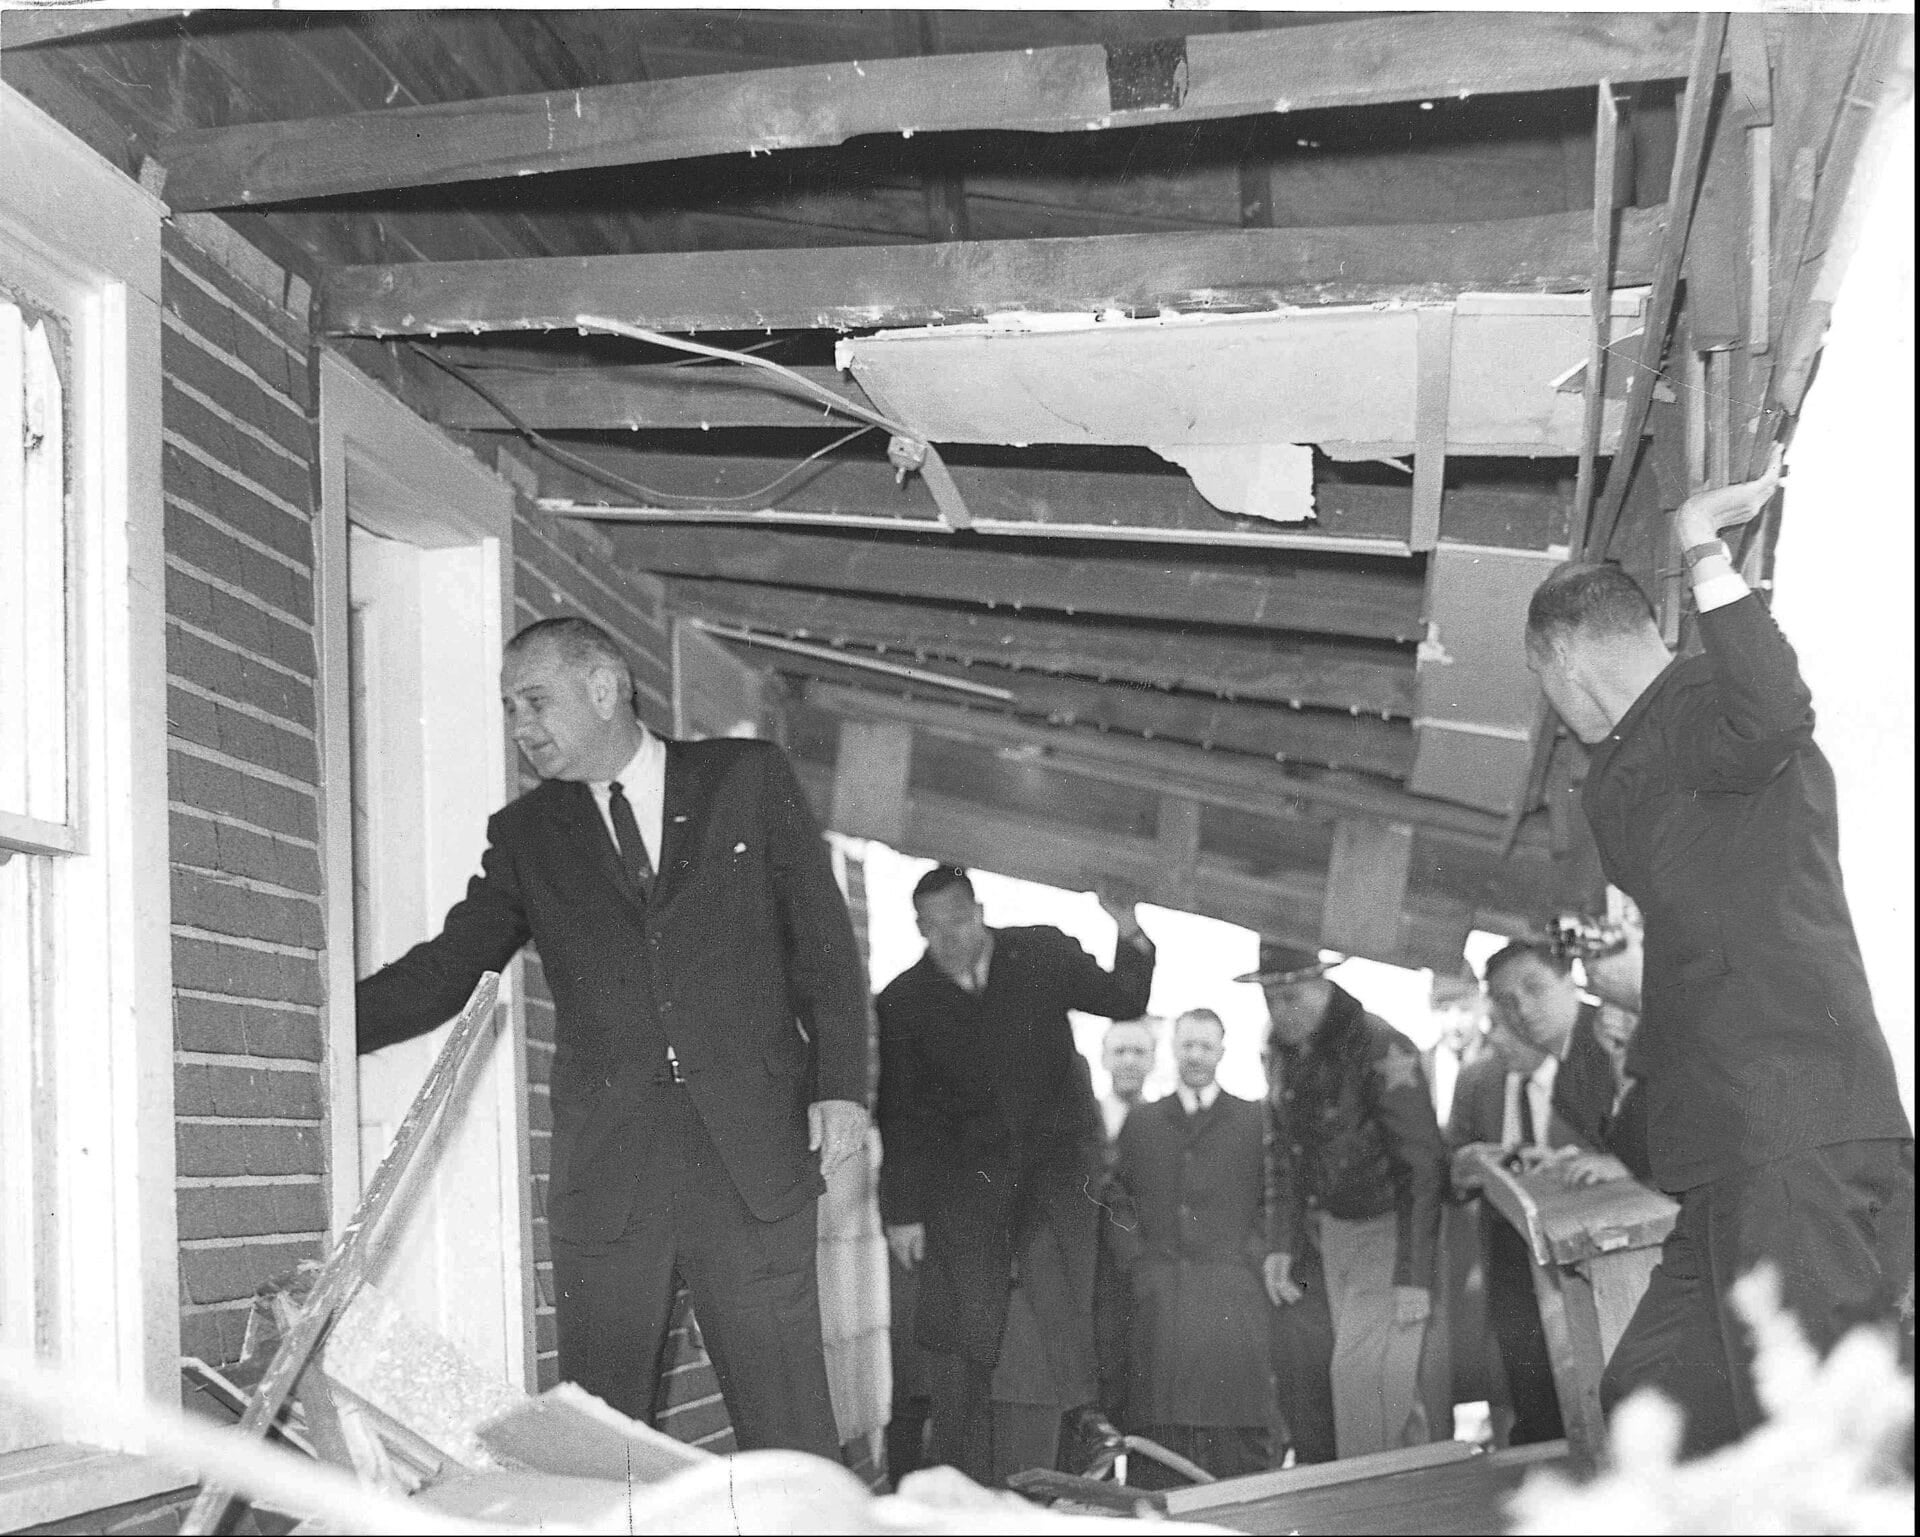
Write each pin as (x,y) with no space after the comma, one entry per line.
(1258,480)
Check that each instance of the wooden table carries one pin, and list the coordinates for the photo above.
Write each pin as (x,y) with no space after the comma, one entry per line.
(1594,1248)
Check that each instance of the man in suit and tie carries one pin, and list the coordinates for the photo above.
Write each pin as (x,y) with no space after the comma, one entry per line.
(711,1026)
(1191,1232)
(1504,1103)
(991,1143)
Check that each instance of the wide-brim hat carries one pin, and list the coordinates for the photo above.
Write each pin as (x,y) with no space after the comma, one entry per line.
(1281,962)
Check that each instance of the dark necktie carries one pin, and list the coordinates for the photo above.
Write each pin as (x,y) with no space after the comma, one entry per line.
(633,848)
(1529,1131)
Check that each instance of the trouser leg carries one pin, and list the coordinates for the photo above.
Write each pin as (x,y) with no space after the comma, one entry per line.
(611,1304)
(1302,1343)
(906,1438)
(961,1417)
(1024,1436)
(1376,1360)
(756,1293)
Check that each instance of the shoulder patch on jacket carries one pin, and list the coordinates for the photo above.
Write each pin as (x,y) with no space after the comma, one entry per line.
(1399,1068)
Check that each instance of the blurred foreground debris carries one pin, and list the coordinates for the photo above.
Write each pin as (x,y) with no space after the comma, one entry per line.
(1835,1454)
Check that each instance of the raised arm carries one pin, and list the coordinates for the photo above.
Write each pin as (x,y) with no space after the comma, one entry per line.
(1764,710)
(428,985)
(1123,992)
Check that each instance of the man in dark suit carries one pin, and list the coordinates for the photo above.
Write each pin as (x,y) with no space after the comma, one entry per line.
(1507,1102)
(710,1032)
(1772,1111)
(991,1142)
(1190,1229)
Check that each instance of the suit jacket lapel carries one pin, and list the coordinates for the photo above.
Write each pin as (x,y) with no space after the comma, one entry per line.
(582,827)
(684,805)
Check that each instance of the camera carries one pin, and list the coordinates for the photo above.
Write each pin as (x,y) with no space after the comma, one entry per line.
(1576,937)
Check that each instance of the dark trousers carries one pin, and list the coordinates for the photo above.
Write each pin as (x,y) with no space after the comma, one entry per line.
(1112,1326)
(1513,1313)
(1836,1225)
(962,1414)
(753,1286)
(1303,1363)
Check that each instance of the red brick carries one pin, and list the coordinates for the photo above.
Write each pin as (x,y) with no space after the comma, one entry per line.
(694,1422)
(207,1088)
(183,358)
(234,294)
(245,1029)
(207,1150)
(197,542)
(236,971)
(267,466)
(235,674)
(194,718)
(227,791)
(228,1273)
(239,507)
(241,1211)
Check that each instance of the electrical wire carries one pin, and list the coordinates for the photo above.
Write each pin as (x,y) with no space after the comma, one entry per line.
(701,349)
(618,482)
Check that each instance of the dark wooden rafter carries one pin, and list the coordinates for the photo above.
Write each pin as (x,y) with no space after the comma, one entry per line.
(1193,658)
(1258,786)
(1331,739)
(876,286)
(1299,596)
(1044,90)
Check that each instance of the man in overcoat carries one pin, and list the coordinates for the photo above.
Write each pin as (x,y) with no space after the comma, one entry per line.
(1191,1232)
(710,1032)
(991,1144)
(1772,1111)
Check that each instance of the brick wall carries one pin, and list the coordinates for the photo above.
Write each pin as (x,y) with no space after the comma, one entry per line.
(243,775)
(568,568)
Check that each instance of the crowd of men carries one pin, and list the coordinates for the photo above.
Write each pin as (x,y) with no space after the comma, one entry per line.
(1207,1270)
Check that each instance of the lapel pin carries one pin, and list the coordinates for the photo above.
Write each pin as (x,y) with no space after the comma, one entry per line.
(739,848)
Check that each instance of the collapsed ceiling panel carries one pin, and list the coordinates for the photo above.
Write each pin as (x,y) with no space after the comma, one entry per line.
(1339,376)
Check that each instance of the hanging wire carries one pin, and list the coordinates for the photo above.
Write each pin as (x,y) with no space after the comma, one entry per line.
(618,482)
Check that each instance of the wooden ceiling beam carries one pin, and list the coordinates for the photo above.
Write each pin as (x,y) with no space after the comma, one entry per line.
(1299,595)
(904,285)
(1043,90)
(1360,744)
(1327,674)
(1251,784)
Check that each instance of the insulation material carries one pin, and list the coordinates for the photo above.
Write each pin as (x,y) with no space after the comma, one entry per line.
(1339,376)
(1258,480)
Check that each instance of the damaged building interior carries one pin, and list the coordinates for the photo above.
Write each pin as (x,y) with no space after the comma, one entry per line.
(1101,447)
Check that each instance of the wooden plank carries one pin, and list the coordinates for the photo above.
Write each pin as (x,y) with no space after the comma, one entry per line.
(1300,595)
(1606,146)
(1572,1327)
(1433,387)
(1336,740)
(1179,837)
(1217,778)
(870,779)
(1703,72)
(361,1241)
(28,28)
(1232,665)
(1045,90)
(922,285)
(624,398)
(1366,885)
(1322,1475)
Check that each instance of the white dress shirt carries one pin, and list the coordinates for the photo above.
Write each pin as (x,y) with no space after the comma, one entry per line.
(644,783)
(1539,1089)
(1193,1101)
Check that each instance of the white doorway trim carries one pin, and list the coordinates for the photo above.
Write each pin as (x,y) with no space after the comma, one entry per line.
(403,479)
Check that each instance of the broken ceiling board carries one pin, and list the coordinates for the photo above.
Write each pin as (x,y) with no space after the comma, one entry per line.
(904,285)
(1044,90)
(1478,703)
(1299,594)
(1221,778)
(1366,886)
(568,1432)
(653,396)
(1344,375)
(1326,737)
(966,832)
(1237,665)
(870,779)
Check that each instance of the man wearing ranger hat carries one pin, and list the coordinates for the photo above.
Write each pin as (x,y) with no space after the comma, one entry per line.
(1356,1168)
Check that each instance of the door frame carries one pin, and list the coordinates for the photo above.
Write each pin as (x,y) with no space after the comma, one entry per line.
(461,502)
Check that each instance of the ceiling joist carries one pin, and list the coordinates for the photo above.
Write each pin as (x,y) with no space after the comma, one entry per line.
(1379,604)
(868,287)
(1043,90)
(1195,659)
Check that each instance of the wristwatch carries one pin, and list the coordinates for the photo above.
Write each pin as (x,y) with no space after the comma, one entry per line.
(1695,553)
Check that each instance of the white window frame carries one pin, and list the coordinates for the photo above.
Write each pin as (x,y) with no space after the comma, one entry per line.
(83,239)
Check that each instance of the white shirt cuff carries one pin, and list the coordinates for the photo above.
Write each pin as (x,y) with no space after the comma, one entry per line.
(1719,591)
